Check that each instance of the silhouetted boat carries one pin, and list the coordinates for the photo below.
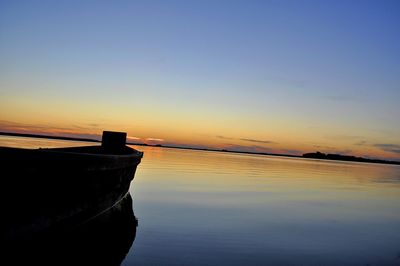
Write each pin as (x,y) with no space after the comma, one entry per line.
(44,190)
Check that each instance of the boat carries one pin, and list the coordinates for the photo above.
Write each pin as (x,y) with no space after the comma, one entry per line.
(47,190)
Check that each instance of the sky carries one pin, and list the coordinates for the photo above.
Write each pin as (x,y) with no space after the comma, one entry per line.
(264,76)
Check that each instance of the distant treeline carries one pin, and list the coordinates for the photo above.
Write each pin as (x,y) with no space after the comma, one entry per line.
(339,157)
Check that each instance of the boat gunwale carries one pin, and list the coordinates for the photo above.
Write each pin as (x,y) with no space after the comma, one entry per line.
(135,153)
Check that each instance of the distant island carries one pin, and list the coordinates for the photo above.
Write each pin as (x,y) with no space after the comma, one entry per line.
(315,155)
(339,157)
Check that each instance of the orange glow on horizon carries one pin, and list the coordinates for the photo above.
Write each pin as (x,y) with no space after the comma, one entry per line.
(199,140)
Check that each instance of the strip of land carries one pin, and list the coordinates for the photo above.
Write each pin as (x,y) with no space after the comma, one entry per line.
(340,157)
(46,136)
(316,155)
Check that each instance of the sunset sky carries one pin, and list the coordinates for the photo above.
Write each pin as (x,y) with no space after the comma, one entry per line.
(265,76)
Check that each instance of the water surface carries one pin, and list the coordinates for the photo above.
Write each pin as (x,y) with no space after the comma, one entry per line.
(214,208)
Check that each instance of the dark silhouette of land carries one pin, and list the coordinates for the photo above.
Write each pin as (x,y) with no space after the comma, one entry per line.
(47,136)
(339,157)
(316,155)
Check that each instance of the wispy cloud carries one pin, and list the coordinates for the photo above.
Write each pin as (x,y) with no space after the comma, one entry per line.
(133,138)
(186,145)
(154,139)
(395,148)
(324,147)
(28,128)
(253,148)
(361,143)
(343,137)
(260,149)
(257,140)
(75,131)
(222,137)
(247,139)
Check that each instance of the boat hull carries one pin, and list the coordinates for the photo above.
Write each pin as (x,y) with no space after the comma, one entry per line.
(47,190)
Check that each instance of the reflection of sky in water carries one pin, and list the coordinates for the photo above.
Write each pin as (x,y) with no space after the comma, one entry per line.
(208,208)
(203,208)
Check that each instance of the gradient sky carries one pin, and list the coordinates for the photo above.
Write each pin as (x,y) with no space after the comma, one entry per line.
(272,76)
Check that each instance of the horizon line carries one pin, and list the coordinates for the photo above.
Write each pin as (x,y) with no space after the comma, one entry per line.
(370,160)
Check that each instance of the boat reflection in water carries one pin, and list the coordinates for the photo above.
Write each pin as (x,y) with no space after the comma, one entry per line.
(102,240)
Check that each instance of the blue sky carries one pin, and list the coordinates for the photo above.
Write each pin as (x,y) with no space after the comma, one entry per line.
(330,66)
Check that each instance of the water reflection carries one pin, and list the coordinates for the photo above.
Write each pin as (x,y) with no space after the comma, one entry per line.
(103,240)
(209,208)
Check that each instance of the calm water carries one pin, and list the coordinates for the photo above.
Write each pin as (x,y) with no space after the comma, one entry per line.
(209,208)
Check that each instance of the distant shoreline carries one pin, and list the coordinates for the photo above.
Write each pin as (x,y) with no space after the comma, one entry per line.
(46,136)
(306,155)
